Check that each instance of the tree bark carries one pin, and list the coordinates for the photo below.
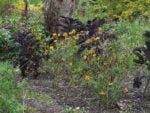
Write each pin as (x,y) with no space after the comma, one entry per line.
(25,8)
(53,9)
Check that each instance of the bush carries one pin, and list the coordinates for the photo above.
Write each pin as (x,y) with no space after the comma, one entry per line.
(6,45)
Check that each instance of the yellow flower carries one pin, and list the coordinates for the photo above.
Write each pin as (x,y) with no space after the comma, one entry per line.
(102,93)
(98,58)
(101,30)
(88,41)
(84,57)
(82,31)
(73,31)
(94,55)
(70,33)
(125,90)
(87,77)
(97,38)
(51,47)
(59,34)
(77,36)
(54,34)
(65,34)
(110,84)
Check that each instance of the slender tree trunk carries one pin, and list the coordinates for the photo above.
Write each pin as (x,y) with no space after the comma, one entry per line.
(25,8)
(53,9)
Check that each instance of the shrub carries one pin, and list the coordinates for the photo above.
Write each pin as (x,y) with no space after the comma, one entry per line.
(6,45)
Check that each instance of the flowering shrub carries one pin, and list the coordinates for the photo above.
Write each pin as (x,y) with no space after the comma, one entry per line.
(29,55)
(97,51)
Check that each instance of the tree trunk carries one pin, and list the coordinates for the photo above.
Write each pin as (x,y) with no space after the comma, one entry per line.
(53,9)
(25,8)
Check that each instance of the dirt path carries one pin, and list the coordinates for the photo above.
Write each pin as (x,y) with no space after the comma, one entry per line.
(43,97)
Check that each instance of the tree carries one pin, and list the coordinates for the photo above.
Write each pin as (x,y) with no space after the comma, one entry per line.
(53,9)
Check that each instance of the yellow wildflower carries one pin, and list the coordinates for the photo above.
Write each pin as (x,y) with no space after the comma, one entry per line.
(110,84)
(97,38)
(101,30)
(59,34)
(77,36)
(51,47)
(125,90)
(87,77)
(82,31)
(98,58)
(88,41)
(94,55)
(73,31)
(54,34)
(70,33)
(84,57)
(102,93)
(65,34)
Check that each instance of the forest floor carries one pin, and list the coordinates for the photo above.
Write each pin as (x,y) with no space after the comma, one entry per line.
(45,95)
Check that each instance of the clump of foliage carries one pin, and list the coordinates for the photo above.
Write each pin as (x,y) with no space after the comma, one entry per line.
(143,52)
(6,45)
(10,91)
(94,37)
(29,55)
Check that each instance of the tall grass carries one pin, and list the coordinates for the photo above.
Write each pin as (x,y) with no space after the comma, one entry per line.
(10,92)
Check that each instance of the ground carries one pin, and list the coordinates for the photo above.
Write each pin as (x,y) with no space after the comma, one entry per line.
(43,96)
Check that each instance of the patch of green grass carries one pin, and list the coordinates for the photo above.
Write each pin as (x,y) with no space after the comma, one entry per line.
(10,91)
(41,97)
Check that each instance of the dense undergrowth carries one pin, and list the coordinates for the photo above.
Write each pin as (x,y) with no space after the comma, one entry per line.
(84,55)
(10,91)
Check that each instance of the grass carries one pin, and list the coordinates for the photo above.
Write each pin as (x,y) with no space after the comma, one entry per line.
(10,92)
